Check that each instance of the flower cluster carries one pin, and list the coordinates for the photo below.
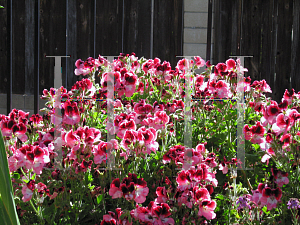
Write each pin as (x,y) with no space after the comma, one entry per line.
(147,118)
(264,195)
(130,188)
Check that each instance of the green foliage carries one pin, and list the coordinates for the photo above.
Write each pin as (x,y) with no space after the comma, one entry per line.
(8,213)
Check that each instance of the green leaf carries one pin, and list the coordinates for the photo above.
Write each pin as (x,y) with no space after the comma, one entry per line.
(99,199)
(16,176)
(218,196)
(8,213)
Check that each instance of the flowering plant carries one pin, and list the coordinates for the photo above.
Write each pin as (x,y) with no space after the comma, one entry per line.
(155,178)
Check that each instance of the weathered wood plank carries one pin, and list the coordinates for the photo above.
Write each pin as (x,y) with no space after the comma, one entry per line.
(283,56)
(71,42)
(251,37)
(52,39)
(267,57)
(29,47)
(18,67)
(108,27)
(4,47)
(131,31)
(222,27)
(295,65)
(216,31)
(85,30)
(167,30)
(144,29)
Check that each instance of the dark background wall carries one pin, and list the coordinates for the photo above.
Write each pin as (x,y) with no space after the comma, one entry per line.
(83,29)
(267,30)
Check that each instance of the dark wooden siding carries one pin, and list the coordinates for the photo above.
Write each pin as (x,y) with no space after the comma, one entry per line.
(264,30)
(77,28)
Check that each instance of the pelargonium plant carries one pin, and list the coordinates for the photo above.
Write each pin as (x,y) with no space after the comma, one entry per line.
(156,178)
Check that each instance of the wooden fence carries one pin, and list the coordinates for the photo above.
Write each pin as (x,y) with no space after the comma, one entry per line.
(82,28)
(267,30)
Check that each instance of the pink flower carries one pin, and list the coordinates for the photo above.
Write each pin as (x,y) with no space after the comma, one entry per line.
(199,61)
(70,113)
(201,194)
(141,192)
(99,152)
(27,191)
(230,63)
(162,196)
(183,180)
(223,166)
(130,137)
(72,140)
(148,137)
(266,157)
(289,96)
(271,113)
(282,124)
(115,191)
(130,188)
(220,68)
(160,212)
(270,197)
(161,119)
(19,131)
(255,133)
(286,140)
(125,125)
(206,209)
(183,64)
(281,177)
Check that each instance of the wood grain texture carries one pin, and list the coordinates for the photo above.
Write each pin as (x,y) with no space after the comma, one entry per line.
(4,47)
(18,42)
(52,39)
(262,29)
(295,57)
(71,43)
(29,46)
(167,30)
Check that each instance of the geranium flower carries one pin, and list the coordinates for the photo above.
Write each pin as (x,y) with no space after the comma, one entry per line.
(184,181)
(19,131)
(199,61)
(162,196)
(36,120)
(70,113)
(114,190)
(141,192)
(27,191)
(130,188)
(270,197)
(255,133)
(267,156)
(183,64)
(289,96)
(230,63)
(286,140)
(280,176)
(148,137)
(206,209)
(160,212)
(220,69)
